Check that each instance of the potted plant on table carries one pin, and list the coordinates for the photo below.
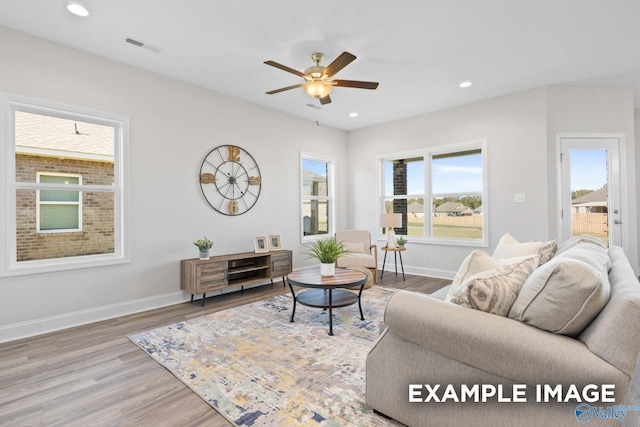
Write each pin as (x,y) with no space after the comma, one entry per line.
(204,245)
(401,241)
(327,251)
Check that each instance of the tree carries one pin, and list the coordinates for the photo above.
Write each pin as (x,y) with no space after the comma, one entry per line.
(579,193)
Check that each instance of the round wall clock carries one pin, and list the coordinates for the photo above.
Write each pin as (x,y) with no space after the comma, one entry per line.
(230,180)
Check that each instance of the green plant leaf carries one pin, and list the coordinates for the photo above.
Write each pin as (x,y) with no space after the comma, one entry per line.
(327,250)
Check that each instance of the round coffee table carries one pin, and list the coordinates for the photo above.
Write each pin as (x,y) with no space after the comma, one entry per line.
(323,290)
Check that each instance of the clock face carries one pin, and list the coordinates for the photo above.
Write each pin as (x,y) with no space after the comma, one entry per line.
(230,180)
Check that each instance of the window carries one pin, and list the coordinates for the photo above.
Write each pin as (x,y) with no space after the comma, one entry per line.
(65,187)
(59,211)
(317,195)
(440,193)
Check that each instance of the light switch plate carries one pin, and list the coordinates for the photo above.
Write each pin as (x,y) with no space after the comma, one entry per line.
(520,198)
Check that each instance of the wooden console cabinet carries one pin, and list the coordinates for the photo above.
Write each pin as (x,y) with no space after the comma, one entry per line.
(225,271)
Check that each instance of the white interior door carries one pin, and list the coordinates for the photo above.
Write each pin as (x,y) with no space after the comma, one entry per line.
(589,189)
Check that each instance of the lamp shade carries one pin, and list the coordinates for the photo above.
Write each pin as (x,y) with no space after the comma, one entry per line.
(390,220)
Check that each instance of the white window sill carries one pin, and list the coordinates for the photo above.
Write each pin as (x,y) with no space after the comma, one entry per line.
(439,242)
(63,264)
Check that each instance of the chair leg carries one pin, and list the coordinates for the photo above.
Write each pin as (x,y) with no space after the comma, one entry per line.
(375,275)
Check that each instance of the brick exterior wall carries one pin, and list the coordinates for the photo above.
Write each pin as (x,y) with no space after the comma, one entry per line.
(97,235)
(399,189)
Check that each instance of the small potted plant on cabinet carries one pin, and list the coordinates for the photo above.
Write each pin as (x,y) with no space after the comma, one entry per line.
(327,251)
(204,245)
(401,241)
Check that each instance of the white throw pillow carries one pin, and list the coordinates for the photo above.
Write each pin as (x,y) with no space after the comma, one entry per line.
(494,291)
(508,247)
(354,248)
(478,262)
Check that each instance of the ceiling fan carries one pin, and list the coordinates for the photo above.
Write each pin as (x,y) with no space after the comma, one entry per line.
(318,79)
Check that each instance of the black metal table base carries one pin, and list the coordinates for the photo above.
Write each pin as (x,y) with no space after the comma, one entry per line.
(395,261)
(327,299)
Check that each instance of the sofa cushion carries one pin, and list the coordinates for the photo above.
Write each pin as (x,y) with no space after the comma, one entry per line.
(594,255)
(575,241)
(441,293)
(614,334)
(562,296)
(494,291)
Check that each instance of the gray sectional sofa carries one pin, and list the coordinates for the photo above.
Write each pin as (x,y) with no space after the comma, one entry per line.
(430,341)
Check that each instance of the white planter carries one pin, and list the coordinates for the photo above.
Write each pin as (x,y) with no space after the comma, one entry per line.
(204,254)
(328,269)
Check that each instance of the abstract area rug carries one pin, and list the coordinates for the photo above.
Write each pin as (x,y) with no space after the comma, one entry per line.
(258,369)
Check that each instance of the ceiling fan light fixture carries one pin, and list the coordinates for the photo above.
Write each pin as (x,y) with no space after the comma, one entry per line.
(317,88)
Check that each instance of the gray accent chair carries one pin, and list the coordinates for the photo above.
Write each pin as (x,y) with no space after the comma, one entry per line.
(430,341)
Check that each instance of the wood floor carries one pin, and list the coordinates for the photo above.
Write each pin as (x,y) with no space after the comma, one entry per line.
(93,374)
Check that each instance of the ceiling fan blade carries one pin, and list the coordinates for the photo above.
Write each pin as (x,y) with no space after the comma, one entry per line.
(325,100)
(339,63)
(356,84)
(282,89)
(285,68)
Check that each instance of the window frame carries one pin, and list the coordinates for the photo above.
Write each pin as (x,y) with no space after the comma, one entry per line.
(427,154)
(78,204)
(9,266)
(331,195)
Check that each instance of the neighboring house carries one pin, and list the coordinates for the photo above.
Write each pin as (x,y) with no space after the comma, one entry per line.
(453,209)
(595,202)
(417,209)
(478,210)
(315,214)
(55,223)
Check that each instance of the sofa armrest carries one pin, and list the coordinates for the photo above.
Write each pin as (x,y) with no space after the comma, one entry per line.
(495,344)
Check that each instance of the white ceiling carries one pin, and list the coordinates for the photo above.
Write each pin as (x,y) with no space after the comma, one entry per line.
(419,50)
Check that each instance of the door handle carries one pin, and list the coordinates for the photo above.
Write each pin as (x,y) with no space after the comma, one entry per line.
(617,221)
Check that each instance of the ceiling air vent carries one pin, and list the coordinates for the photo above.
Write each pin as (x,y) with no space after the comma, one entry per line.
(143,45)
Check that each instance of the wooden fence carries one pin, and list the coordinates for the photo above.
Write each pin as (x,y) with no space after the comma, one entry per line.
(583,223)
(462,221)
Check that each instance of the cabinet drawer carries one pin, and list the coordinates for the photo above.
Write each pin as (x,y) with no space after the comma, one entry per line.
(210,276)
(280,265)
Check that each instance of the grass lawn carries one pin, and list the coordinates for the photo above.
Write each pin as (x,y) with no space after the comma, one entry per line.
(457,231)
(441,230)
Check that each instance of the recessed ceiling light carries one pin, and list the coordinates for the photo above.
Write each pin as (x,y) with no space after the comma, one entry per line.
(353,114)
(465,84)
(77,9)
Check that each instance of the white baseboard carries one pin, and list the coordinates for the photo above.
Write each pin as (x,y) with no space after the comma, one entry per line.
(44,325)
(419,271)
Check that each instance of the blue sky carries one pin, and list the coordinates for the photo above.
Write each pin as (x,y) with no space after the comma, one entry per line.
(588,168)
(450,175)
(315,166)
(464,173)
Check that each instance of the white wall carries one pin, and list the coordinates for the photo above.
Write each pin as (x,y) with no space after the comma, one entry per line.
(514,127)
(521,142)
(173,126)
